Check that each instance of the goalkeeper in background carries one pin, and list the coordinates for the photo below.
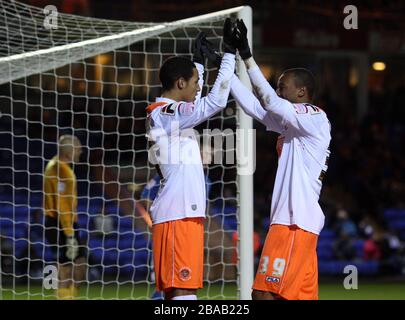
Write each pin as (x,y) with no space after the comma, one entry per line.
(60,207)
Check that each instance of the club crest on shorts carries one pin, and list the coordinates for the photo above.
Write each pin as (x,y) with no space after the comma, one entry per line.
(185,273)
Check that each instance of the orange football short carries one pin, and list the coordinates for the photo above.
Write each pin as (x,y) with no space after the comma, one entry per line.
(178,253)
(288,265)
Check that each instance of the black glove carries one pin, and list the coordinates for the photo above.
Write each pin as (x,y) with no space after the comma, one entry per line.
(210,53)
(241,41)
(229,45)
(197,53)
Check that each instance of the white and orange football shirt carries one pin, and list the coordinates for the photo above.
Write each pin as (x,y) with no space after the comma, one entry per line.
(176,150)
(303,148)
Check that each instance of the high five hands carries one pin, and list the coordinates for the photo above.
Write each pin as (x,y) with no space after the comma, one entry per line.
(234,39)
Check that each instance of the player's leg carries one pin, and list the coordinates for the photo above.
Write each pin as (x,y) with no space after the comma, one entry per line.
(159,251)
(309,288)
(65,281)
(156,295)
(263,266)
(265,295)
(301,276)
(56,241)
(273,261)
(65,272)
(181,294)
(79,274)
(178,265)
(71,273)
(287,266)
(189,260)
(80,268)
(80,265)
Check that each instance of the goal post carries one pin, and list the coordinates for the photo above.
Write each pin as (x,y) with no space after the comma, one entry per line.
(246,211)
(93,78)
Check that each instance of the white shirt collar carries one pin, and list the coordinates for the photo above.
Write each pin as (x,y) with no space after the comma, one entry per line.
(162,99)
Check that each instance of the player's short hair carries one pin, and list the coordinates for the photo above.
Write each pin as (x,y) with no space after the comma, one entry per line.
(303,78)
(173,69)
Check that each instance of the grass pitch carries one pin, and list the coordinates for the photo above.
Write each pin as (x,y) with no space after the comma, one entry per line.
(327,291)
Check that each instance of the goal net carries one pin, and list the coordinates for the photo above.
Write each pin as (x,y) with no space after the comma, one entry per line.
(93,78)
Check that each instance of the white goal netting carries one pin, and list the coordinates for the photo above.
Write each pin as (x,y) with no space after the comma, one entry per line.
(93,78)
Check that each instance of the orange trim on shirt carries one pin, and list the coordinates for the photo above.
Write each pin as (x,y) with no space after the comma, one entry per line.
(155,105)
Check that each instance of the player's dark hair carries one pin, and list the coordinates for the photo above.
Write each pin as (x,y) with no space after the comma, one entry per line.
(303,78)
(173,69)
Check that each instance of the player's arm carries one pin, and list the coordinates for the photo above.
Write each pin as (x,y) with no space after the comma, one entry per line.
(247,100)
(182,115)
(141,207)
(252,106)
(50,187)
(191,115)
(200,69)
(198,59)
(146,198)
(66,206)
(243,96)
(151,189)
(281,110)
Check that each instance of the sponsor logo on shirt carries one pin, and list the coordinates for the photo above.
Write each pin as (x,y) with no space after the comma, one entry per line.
(169,109)
(61,187)
(300,108)
(272,279)
(313,109)
(186,109)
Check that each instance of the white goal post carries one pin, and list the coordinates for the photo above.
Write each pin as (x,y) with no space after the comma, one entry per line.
(93,78)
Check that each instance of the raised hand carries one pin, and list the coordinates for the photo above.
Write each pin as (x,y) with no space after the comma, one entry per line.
(210,53)
(197,53)
(240,40)
(229,45)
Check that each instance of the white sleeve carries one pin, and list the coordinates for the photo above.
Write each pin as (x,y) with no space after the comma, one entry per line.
(247,100)
(190,115)
(182,115)
(251,105)
(279,108)
(200,69)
